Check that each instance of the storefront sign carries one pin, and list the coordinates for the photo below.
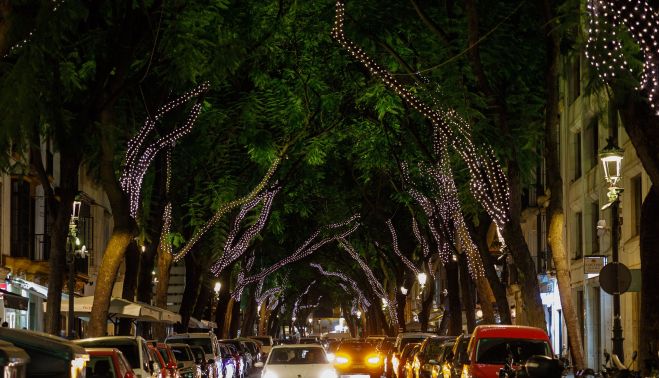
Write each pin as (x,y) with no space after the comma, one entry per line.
(592,265)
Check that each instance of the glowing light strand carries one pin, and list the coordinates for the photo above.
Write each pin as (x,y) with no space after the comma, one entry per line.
(394,243)
(342,229)
(422,240)
(138,157)
(296,305)
(375,284)
(224,209)
(488,183)
(349,281)
(56,4)
(233,251)
(604,46)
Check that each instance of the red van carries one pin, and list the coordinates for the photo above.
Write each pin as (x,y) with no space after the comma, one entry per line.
(490,344)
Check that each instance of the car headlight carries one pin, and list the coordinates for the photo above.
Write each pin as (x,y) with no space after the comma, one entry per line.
(341,360)
(328,373)
(373,360)
(269,374)
(330,357)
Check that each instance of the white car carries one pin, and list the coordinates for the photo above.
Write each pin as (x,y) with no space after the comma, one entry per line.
(297,360)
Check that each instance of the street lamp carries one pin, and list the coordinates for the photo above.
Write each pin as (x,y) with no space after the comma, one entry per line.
(216,289)
(422,277)
(403,290)
(72,243)
(611,157)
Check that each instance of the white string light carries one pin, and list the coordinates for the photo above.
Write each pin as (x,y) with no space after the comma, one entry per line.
(375,284)
(488,184)
(227,207)
(56,4)
(604,46)
(351,284)
(139,157)
(394,243)
(342,229)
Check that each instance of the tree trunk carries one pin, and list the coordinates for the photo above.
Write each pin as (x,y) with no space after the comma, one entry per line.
(130,284)
(467,294)
(59,226)
(202,307)
(223,302)
(247,326)
(529,308)
(164,264)
(497,287)
(555,213)
(454,305)
(649,239)
(401,301)
(228,316)
(191,289)
(426,306)
(235,320)
(485,299)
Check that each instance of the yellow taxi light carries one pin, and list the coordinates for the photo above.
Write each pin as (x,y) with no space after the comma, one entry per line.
(373,360)
(341,360)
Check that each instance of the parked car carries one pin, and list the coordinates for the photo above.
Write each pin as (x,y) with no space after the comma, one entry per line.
(185,360)
(297,360)
(452,366)
(207,369)
(490,345)
(13,360)
(228,362)
(50,356)
(429,349)
(266,344)
(134,348)
(206,340)
(386,348)
(237,359)
(107,362)
(158,363)
(254,348)
(402,340)
(440,367)
(399,362)
(358,358)
(246,361)
(165,351)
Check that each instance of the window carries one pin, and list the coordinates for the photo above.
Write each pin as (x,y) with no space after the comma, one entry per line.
(574,79)
(577,155)
(595,217)
(637,198)
(21,216)
(578,235)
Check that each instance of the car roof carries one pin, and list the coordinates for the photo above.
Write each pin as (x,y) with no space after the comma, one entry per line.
(286,346)
(102,351)
(509,331)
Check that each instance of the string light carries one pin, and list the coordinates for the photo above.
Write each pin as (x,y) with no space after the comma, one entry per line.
(488,183)
(227,207)
(422,240)
(139,157)
(296,305)
(394,243)
(351,284)
(233,251)
(56,4)
(604,46)
(375,284)
(341,229)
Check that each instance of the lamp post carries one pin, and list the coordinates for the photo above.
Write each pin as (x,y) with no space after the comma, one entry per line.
(72,243)
(611,157)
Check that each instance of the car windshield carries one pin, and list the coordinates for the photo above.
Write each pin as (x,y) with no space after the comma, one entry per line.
(128,349)
(495,351)
(203,342)
(100,366)
(297,356)
(264,340)
(198,353)
(409,340)
(181,353)
(434,347)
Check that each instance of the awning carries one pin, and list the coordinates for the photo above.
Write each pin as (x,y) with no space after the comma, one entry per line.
(119,308)
(12,300)
(164,316)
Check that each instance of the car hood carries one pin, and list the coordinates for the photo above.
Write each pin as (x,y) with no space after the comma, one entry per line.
(297,371)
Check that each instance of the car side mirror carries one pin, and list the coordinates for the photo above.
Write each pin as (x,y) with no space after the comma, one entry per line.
(258,364)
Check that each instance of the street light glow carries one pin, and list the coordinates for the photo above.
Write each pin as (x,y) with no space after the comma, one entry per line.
(218,286)
(422,277)
(403,290)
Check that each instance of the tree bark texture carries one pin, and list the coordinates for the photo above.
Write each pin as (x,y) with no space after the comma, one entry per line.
(191,289)
(556,216)
(68,189)
(454,303)
(164,264)
(130,284)
(426,306)
(228,316)
(467,291)
(234,325)
(649,337)
(247,326)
